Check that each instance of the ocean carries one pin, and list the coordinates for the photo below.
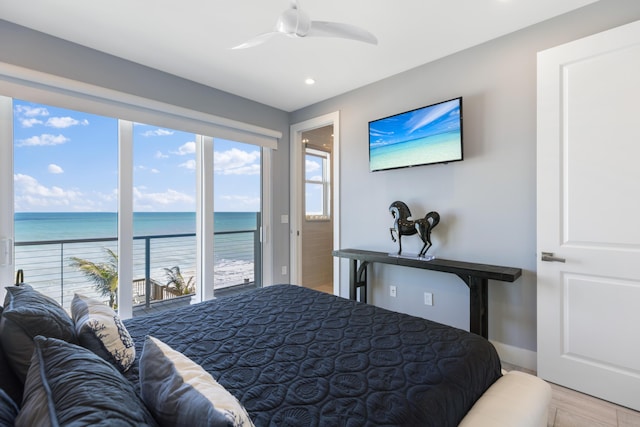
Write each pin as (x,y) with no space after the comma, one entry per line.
(39,226)
(45,243)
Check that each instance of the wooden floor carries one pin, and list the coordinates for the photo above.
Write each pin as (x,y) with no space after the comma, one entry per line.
(572,409)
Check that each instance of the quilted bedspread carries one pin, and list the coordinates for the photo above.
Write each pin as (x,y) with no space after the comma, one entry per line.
(298,357)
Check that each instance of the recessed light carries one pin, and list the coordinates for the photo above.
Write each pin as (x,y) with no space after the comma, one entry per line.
(309,81)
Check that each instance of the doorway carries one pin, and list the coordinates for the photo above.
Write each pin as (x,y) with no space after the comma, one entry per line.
(314,203)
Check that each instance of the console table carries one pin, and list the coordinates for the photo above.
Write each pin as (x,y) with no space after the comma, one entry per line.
(476,276)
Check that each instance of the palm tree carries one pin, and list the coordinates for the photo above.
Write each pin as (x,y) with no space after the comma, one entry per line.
(176,281)
(104,275)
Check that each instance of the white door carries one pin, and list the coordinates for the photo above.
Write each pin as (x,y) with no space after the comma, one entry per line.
(589,215)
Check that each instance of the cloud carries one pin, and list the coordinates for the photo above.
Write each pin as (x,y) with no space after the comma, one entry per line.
(31,194)
(29,117)
(65,122)
(186,148)
(189,164)
(422,117)
(236,162)
(28,123)
(53,168)
(44,139)
(158,132)
(163,199)
(159,155)
(244,170)
(311,166)
(28,111)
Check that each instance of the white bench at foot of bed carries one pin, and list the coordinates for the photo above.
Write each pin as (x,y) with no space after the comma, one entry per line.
(517,399)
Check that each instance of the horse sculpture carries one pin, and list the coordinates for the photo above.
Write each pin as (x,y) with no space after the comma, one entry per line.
(404,226)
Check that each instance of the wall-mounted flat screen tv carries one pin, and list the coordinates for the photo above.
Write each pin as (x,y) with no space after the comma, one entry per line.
(427,135)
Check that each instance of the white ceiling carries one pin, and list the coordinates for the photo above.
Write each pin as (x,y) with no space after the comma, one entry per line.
(191,38)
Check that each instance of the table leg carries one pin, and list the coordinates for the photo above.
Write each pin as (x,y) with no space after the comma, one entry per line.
(478,306)
(353,269)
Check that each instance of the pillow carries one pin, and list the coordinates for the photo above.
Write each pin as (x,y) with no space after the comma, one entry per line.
(70,385)
(28,313)
(8,410)
(100,330)
(178,392)
(9,382)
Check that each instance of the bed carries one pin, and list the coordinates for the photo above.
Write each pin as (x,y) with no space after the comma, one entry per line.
(292,356)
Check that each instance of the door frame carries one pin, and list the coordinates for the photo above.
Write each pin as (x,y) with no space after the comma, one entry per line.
(296,197)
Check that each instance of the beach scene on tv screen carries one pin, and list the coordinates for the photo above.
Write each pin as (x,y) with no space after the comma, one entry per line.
(427,135)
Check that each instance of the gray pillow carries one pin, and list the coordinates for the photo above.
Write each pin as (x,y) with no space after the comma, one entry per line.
(11,385)
(70,385)
(28,313)
(100,330)
(8,410)
(178,392)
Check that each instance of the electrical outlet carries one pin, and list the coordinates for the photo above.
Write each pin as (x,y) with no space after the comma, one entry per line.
(428,298)
(392,291)
(284,270)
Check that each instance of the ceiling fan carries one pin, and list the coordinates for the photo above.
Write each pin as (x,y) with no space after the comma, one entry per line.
(293,22)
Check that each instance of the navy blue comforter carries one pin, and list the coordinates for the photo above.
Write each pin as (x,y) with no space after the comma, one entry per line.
(297,357)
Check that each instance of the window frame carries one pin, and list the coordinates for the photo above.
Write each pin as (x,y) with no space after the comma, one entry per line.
(325,182)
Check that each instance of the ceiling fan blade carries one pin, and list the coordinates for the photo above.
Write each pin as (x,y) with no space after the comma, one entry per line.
(345,31)
(255,41)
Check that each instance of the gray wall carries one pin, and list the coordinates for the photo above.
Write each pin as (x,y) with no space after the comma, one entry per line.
(26,48)
(488,201)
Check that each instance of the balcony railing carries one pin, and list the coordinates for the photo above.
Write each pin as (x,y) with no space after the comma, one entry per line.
(46,264)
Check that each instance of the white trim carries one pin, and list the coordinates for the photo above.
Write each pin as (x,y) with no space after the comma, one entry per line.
(267,241)
(6,187)
(335,185)
(516,356)
(295,212)
(204,218)
(125,219)
(23,83)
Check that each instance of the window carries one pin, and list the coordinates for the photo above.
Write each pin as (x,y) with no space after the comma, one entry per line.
(66,201)
(317,184)
(65,198)
(164,214)
(237,216)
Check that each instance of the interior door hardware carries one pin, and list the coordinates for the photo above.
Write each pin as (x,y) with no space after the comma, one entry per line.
(548,256)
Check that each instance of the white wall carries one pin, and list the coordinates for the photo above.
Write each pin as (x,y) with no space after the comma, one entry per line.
(487,202)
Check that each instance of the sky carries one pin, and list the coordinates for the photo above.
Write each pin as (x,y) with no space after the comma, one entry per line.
(420,123)
(67,161)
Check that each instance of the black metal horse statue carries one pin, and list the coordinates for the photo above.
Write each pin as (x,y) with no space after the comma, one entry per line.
(403,225)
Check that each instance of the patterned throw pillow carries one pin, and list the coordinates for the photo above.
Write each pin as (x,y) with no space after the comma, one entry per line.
(178,392)
(100,330)
(70,385)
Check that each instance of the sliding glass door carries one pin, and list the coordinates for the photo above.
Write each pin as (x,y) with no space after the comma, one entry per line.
(237,171)
(67,182)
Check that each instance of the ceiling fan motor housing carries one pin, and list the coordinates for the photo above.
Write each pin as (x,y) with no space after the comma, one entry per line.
(294,23)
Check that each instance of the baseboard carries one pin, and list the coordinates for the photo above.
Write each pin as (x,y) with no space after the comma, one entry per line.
(516,356)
